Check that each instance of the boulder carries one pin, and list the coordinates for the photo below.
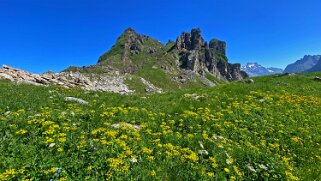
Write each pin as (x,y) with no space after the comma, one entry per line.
(317,78)
(150,87)
(29,82)
(73,99)
(6,76)
(249,81)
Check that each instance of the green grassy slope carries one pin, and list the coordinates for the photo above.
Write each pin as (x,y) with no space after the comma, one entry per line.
(269,130)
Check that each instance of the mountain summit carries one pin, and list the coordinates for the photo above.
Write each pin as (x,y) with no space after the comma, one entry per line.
(133,52)
(188,61)
(201,57)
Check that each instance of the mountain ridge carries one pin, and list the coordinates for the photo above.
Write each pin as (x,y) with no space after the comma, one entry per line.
(304,64)
(187,62)
(316,67)
(133,53)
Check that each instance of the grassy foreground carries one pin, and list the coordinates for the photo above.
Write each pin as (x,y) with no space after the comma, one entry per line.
(269,130)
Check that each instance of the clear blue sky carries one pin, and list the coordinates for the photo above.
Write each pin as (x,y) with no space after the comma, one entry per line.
(41,35)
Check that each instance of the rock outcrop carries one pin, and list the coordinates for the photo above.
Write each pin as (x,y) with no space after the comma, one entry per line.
(190,41)
(67,80)
(74,99)
(150,88)
(199,56)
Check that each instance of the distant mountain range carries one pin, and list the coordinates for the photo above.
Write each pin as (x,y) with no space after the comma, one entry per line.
(255,69)
(309,63)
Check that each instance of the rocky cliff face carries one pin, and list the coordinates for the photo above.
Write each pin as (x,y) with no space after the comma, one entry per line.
(201,57)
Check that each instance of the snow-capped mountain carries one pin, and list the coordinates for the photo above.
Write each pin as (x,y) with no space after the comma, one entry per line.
(255,69)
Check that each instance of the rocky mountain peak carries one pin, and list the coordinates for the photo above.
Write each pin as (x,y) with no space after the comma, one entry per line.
(199,56)
(133,40)
(135,53)
(195,41)
(217,45)
(190,41)
(129,30)
(129,46)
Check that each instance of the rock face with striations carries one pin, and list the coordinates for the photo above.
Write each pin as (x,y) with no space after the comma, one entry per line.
(201,57)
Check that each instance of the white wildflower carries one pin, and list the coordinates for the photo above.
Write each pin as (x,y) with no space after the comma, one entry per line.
(251,168)
(263,167)
(201,145)
(134,160)
(203,152)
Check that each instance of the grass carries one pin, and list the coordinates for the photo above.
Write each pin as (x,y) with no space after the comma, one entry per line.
(210,77)
(268,130)
(159,78)
(135,83)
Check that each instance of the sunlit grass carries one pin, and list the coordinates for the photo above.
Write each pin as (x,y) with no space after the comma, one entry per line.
(269,130)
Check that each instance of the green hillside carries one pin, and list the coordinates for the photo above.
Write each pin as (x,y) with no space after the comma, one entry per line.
(266,130)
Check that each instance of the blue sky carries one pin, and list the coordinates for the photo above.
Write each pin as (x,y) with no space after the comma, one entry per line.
(41,35)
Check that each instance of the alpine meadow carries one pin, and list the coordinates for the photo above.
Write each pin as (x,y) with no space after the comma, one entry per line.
(170,90)
(269,130)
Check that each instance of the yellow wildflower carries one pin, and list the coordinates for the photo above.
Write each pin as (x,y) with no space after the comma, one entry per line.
(147,150)
(10,172)
(49,140)
(22,131)
(236,170)
(150,158)
(213,162)
(153,173)
(210,174)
